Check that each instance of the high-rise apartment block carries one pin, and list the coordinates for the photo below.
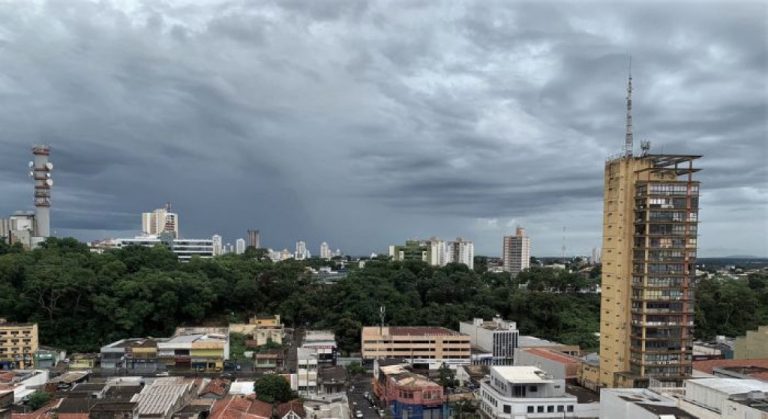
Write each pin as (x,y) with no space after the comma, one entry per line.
(160,221)
(301,252)
(325,251)
(650,217)
(254,239)
(239,246)
(435,252)
(516,252)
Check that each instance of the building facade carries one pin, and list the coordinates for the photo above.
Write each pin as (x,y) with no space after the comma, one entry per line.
(325,251)
(160,221)
(432,346)
(301,252)
(524,392)
(516,252)
(408,395)
(497,336)
(649,254)
(18,345)
(435,252)
(752,346)
(239,246)
(461,251)
(184,249)
(254,239)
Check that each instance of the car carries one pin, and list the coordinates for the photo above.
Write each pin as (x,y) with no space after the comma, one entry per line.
(358,414)
(162,374)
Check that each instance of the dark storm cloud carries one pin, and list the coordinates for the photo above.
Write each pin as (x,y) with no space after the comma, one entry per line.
(362,123)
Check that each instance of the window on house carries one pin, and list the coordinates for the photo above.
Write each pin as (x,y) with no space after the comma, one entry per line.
(539,409)
(507,408)
(530,409)
(550,409)
(570,408)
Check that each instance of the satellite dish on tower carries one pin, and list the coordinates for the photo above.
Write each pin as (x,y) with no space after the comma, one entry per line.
(49,166)
(49,182)
(31,164)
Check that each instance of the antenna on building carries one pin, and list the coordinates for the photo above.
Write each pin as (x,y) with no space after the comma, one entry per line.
(382,312)
(645,146)
(628,140)
(168,206)
(563,248)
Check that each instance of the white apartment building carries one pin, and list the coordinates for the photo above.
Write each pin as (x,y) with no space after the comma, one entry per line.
(461,251)
(218,245)
(301,252)
(498,337)
(516,252)
(160,221)
(528,392)
(239,246)
(306,371)
(325,251)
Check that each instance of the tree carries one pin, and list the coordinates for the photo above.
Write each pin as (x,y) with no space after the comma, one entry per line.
(273,388)
(38,399)
(447,377)
(354,368)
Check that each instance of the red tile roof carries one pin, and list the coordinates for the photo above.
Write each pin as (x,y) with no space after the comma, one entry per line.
(292,406)
(217,387)
(553,355)
(239,407)
(709,365)
(40,413)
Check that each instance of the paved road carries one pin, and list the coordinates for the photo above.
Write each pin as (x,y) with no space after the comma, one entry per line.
(357,400)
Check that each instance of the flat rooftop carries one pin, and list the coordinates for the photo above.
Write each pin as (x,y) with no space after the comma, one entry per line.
(522,374)
(553,355)
(730,385)
(411,331)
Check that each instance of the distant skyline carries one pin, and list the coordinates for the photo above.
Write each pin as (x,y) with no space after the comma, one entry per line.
(365,123)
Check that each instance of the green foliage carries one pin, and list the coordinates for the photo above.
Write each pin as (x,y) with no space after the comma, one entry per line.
(446,377)
(273,388)
(354,368)
(38,399)
(84,300)
(731,306)
(237,346)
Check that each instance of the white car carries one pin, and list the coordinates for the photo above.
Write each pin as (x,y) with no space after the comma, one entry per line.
(358,414)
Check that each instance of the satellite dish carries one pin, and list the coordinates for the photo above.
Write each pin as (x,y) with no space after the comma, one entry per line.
(49,182)
(31,164)
(49,166)
(47,175)
(31,173)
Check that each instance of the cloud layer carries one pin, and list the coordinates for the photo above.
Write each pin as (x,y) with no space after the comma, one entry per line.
(366,123)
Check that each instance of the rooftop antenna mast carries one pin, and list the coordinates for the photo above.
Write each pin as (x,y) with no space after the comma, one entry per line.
(382,312)
(628,140)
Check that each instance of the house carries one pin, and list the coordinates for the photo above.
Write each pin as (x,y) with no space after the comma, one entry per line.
(241,407)
(293,409)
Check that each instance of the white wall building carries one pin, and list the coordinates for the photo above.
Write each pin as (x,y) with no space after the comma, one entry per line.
(159,221)
(301,252)
(218,245)
(325,251)
(239,246)
(306,371)
(516,252)
(638,403)
(461,251)
(184,249)
(497,336)
(528,392)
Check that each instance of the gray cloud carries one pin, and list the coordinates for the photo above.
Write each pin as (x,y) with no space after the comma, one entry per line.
(363,123)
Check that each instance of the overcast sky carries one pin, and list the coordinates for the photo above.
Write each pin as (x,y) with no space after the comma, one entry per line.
(368,123)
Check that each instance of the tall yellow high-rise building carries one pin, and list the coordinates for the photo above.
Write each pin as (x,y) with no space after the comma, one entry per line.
(650,219)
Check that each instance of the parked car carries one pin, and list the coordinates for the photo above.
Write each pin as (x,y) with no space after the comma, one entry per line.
(162,374)
(358,414)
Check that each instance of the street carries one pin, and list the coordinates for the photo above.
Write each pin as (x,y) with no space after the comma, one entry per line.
(357,400)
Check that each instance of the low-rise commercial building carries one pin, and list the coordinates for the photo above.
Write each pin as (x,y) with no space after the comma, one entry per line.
(324,343)
(195,348)
(184,249)
(559,365)
(512,392)
(637,403)
(589,372)
(18,345)
(498,337)
(407,394)
(432,346)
